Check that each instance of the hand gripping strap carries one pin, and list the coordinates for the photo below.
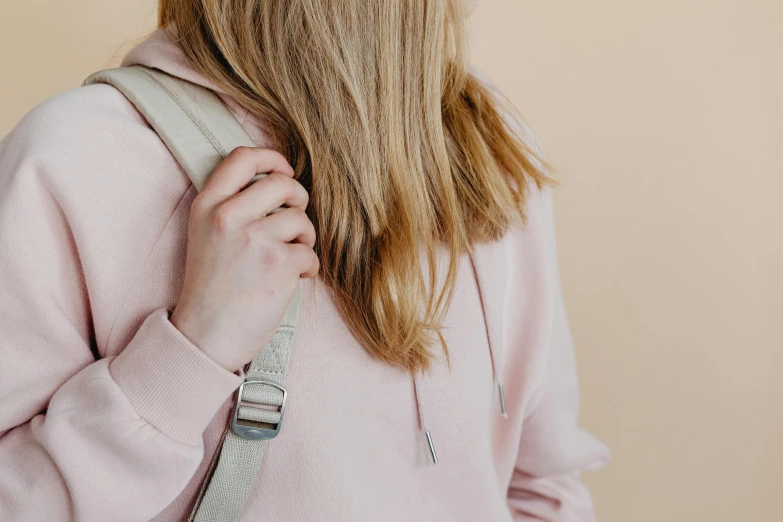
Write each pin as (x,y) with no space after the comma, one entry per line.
(200,131)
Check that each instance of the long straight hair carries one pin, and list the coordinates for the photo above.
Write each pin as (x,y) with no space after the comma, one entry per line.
(402,150)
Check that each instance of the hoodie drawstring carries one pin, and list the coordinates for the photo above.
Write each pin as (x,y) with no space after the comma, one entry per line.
(422,416)
(498,382)
(496,375)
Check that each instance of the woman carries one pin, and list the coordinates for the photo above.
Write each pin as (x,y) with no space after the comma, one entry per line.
(130,303)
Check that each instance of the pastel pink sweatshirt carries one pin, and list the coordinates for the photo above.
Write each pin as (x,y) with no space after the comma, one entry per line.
(109,413)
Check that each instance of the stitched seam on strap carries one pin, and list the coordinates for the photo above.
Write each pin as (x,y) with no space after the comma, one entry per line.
(200,124)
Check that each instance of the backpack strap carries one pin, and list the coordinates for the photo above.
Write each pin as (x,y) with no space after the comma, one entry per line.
(200,132)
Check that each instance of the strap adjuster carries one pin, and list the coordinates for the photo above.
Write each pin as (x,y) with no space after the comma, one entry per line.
(259,414)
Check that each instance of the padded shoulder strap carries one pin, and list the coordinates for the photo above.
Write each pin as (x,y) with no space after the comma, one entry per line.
(200,132)
(194,124)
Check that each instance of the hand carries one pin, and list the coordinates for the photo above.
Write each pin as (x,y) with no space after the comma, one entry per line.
(243,261)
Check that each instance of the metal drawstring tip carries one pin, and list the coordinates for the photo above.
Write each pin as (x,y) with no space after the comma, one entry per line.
(502,401)
(432,447)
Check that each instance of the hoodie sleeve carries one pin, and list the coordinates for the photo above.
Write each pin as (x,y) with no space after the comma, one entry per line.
(83,437)
(553,449)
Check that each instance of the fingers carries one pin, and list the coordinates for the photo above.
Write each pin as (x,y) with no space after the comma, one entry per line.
(268,194)
(304,259)
(289,225)
(239,168)
(274,204)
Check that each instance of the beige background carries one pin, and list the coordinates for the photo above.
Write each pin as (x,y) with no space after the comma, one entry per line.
(665,121)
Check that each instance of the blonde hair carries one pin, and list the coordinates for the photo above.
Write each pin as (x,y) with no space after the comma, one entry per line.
(401,149)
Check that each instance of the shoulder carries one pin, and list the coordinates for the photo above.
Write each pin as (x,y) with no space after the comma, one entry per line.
(86,168)
(90,183)
(75,120)
(511,114)
(89,148)
(77,132)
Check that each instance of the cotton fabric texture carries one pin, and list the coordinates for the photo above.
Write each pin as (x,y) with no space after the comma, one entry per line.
(107,412)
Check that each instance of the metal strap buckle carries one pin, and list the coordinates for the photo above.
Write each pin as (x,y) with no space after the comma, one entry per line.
(258,430)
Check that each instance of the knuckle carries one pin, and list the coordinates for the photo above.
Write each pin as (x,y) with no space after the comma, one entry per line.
(252,238)
(304,194)
(241,152)
(280,184)
(308,222)
(276,155)
(278,180)
(288,186)
(223,219)
(198,205)
(299,215)
(298,218)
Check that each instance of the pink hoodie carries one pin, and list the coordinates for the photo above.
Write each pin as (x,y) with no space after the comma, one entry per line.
(108,413)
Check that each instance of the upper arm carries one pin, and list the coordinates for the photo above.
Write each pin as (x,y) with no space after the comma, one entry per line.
(86,191)
(43,298)
(86,187)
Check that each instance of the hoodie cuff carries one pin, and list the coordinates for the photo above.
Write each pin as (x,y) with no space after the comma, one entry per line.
(170,383)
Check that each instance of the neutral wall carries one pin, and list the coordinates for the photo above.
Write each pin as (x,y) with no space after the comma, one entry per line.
(664,120)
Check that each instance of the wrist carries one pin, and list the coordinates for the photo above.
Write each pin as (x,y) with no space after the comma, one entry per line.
(188,330)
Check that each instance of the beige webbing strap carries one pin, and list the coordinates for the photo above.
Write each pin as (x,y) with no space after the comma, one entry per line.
(200,131)
(223,496)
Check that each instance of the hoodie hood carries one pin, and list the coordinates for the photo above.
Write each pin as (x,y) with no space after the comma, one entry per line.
(161,51)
